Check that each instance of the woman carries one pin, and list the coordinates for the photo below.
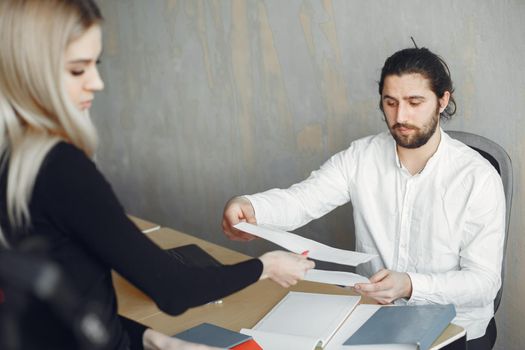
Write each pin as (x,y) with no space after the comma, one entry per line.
(50,188)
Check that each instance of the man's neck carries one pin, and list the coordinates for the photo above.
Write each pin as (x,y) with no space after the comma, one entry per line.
(415,159)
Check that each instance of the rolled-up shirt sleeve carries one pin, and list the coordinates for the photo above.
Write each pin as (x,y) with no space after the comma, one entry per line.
(324,190)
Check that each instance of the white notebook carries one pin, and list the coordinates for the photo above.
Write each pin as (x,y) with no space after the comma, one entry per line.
(302,321)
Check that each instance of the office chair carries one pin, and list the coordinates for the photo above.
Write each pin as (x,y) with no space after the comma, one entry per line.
(497,156)
(33,286)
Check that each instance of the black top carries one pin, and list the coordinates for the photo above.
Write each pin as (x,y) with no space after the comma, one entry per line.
(75,209)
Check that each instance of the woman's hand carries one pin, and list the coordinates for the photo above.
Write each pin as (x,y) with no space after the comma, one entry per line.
(154,340)
(285,268)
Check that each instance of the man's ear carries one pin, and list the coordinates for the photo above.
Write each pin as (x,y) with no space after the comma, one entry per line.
(443,101)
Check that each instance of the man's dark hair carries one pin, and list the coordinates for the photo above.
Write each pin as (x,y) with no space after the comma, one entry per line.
(426,63)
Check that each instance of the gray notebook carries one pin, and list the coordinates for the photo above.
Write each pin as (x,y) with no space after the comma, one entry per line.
(418,325)
(211,335)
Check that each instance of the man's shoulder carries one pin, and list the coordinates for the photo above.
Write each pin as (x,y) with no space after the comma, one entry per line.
(368,148)
(369,142)
(464,156)
(469,166)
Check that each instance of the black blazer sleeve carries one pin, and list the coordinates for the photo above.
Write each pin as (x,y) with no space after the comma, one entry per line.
(79,199)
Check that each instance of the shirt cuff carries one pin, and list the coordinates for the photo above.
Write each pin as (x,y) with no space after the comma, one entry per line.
(257,208)
(420,288)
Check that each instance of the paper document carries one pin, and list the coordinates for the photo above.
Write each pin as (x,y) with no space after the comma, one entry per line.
(335,277)
(298,244)
(277,341)
(302,321)
(356,319)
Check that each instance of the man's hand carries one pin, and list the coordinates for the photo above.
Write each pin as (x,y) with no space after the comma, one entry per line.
(236,210)
(386,286)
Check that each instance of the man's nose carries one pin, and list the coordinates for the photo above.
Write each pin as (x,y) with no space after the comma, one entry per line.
(402,113)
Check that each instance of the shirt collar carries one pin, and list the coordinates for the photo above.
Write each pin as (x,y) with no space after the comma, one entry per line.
(430,163)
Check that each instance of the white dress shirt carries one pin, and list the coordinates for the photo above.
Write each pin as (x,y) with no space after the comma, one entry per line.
(443,226)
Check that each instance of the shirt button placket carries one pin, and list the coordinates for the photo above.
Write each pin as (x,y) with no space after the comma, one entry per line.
(405,228)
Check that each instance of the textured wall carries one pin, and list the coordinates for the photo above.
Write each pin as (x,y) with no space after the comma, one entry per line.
(208,99)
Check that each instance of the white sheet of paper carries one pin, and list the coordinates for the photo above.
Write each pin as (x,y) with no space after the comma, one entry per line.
(277,341)
(309,315)
(298,244)
(356,319)
(335,277)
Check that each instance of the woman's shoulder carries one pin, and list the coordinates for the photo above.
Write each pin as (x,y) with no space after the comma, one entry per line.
(66,162)
(65,150)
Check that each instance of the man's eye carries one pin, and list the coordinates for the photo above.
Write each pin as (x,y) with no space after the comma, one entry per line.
(415,104)
(390,103)
(77,73)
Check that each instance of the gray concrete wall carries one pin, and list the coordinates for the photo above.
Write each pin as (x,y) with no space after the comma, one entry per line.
(205,100)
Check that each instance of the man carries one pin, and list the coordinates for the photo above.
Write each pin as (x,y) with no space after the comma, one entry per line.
(430,207)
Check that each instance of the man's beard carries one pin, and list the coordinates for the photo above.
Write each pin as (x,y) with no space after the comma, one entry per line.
(417,139)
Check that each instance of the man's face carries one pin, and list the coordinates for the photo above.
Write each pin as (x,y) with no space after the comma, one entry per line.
(411,109)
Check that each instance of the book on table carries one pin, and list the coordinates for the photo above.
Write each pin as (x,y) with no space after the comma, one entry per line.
(302,321)
(192,255)
(313,321)
(212,335)
(398,327)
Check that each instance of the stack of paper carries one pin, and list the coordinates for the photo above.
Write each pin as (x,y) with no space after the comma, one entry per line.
(317,251)
(302,321)
(340,278)
(298,244)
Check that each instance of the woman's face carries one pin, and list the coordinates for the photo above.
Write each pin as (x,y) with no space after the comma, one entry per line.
(81,75)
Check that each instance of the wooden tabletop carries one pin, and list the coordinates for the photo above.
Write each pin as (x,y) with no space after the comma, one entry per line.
(144,225)
(240,310)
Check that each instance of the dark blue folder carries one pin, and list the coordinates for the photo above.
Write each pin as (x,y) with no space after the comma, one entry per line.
(212,335)
(419,325)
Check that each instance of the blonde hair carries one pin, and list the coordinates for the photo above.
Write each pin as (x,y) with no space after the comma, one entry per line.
(35,111)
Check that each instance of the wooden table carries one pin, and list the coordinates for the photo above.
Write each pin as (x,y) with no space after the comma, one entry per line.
(240,310)
(144,225)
